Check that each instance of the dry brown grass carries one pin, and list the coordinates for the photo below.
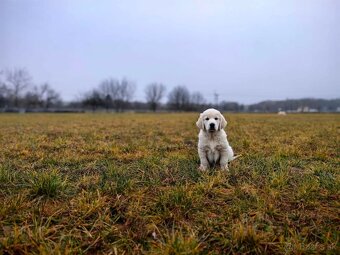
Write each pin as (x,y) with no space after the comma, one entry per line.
(129,184)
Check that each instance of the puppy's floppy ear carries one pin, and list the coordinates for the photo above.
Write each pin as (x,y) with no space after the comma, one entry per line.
(223,122)
(199,122)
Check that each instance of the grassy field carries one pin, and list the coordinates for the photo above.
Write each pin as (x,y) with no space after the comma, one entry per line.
(129,184)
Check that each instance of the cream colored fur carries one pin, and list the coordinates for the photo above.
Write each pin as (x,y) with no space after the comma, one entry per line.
(213,146)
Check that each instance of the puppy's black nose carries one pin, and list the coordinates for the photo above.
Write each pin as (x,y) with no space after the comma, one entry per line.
(212,125)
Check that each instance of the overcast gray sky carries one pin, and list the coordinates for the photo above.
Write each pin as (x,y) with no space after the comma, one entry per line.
(246,51)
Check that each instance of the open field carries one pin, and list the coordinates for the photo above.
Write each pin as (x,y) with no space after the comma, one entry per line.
(129,184)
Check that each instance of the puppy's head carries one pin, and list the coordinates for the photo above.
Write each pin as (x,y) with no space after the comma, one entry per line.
(211,120)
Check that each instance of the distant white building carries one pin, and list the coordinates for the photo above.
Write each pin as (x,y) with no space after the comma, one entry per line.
(306,109)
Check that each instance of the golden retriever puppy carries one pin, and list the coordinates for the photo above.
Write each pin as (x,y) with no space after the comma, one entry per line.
(213,146)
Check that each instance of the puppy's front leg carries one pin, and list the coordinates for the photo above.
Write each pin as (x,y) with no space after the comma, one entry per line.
(203,159)
(224,159)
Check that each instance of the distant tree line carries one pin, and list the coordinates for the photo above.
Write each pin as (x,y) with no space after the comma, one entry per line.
(297,105)
(110,94)
(19,93)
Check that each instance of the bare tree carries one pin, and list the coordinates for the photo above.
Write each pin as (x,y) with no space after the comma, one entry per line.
(43,96)
(18,80)
(93,99)
(154,92)
(197,100)
(32,99)
(4,90)
(179,98)
(127,90)
(4,95)
(51,98)
(110,89)
(1,78)
(116,93)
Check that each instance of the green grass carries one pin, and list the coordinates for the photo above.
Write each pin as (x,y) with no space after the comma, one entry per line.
(129,184)
(48,184)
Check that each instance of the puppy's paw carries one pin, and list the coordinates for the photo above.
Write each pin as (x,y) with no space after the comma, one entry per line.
(225,167)
(202,168)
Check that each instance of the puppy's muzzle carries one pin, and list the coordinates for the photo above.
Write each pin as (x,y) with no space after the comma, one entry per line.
(212,127)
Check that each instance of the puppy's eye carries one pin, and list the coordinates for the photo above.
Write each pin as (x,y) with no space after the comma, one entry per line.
(216,118)
(206,118)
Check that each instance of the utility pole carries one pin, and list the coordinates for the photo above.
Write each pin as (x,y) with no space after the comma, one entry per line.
(216,99)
